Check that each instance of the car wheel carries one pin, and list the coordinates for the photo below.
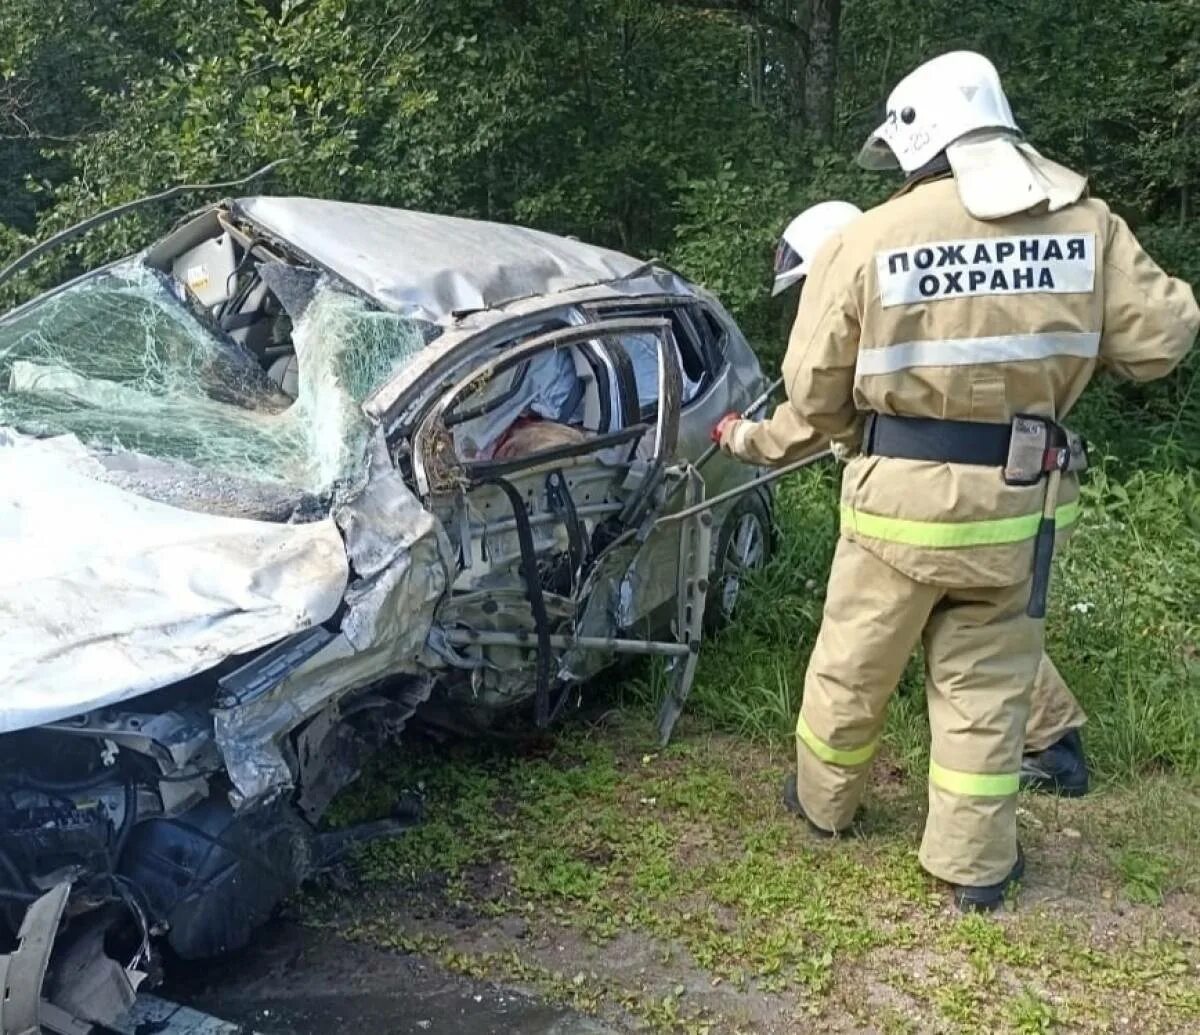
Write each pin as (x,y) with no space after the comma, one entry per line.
(743,545)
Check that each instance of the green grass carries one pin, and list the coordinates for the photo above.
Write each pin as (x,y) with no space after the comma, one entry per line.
(686,857)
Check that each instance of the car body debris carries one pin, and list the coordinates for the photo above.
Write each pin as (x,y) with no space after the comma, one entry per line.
(292,475)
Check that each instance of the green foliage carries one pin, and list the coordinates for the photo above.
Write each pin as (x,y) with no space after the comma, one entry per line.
(659,127)
(1030,1014)
(1144,873)
(729,223)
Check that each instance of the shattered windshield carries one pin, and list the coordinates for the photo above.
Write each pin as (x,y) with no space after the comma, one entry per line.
(118,361)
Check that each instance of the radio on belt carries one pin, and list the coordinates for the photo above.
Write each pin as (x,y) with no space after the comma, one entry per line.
(1038,446)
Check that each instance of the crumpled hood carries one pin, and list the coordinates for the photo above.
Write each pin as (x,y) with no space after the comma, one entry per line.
(105,595)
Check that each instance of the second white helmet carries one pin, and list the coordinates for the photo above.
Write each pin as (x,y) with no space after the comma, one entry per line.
(934,105)
(803,239)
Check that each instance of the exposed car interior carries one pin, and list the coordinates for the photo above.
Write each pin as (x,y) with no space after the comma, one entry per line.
(238,280)
(563,395)
(254,290)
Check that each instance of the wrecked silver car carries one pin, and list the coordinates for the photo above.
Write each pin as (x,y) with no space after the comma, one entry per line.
(294,474)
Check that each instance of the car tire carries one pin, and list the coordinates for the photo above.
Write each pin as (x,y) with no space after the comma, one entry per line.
(744,543)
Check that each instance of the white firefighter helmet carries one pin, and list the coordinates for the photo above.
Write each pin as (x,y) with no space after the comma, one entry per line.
(933,106)
(803,239)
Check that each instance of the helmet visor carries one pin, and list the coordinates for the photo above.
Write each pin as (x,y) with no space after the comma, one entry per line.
(786,258)
(876,154)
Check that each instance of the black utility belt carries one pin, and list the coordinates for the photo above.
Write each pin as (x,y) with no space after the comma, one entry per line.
(1026,449)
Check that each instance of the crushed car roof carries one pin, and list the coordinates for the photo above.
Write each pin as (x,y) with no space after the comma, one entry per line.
(429,266)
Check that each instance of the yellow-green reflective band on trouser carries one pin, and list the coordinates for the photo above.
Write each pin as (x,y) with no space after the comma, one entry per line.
(992,532)
(828,753)
(979,785)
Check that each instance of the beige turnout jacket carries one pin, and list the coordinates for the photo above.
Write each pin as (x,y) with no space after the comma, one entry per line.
(920,310)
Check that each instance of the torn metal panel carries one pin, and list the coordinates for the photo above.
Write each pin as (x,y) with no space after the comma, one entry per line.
(386,521)
(90,985)
(134,593)
(695,558)
(429,266)
(402,558)
(649,579)
(271,667)
(23,971)
(603,606)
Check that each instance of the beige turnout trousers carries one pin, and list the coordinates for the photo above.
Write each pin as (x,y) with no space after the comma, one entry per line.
(981,655)
(1053,710)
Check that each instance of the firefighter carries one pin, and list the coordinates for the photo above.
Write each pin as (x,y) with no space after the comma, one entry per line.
(1053,760)
(941,340)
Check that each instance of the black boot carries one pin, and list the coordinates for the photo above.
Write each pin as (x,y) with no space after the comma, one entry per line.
(987,898)
(1060,769)
(791,802)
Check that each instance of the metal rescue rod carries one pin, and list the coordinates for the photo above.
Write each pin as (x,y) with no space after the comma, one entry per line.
(740,490)
(748,412)
(711,451)
(501,638)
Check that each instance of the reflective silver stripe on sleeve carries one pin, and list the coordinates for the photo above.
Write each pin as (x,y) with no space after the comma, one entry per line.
(959,352)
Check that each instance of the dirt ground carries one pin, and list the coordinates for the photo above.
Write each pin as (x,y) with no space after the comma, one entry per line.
(581,884)
(296,981)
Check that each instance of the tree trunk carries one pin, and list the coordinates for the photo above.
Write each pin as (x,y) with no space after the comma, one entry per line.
(797,68)
(820,91)
(754,65)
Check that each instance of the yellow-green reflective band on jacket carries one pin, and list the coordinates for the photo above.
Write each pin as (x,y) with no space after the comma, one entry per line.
(991,532)
(979,785)
(828,753)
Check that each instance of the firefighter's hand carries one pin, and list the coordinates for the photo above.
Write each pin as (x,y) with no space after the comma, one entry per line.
(723,425)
